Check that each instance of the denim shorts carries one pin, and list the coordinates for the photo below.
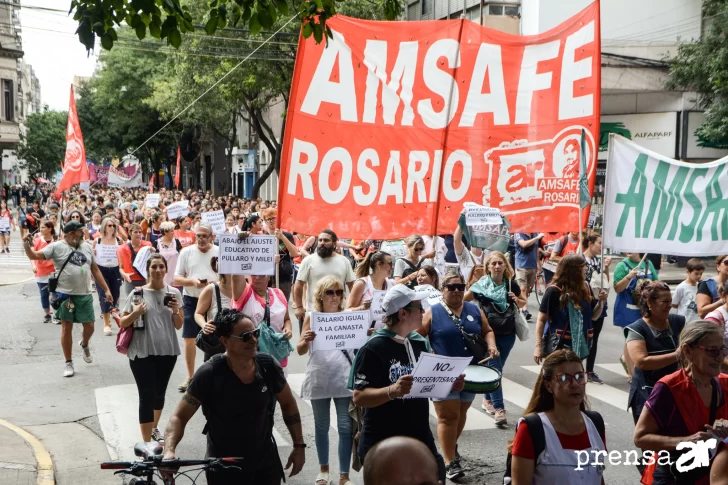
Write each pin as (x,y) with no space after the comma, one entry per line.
(458,396)
(4,233)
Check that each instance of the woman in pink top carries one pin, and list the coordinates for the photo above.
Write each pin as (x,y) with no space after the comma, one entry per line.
(169,247)
(44,268)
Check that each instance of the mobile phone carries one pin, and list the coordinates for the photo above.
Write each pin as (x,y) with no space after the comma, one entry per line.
(168,297)
(203,281)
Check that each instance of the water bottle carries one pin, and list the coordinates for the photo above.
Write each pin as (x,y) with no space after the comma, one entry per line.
(137,300)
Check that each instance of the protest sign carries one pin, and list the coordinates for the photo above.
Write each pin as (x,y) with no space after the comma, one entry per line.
(434,375)
(254,255)
(105,254)
(654,204)
(376,308)
(152,200)
(216,220)
(400,126)
(435,296)
(477,215)
(178,209)
(339,331)
(140,262)
(592,220)
(491,237)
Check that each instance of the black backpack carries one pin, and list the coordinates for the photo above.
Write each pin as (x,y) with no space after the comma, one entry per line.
(535,430)
(411,268)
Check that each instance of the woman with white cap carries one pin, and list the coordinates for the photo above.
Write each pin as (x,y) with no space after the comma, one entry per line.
(382,375)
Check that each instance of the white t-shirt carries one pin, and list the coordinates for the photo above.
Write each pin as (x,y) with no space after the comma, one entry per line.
(467,261)
(314,267)
(438,261)
(684,298)
(193,263)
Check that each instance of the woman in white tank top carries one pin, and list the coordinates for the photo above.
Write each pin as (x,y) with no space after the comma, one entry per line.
(104,248)
(372,284)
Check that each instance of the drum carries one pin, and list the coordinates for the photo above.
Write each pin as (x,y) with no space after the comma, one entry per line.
(481,379)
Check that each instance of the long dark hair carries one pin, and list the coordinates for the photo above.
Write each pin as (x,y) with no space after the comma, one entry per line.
(570,280)
(250,221)
(541,399)
(370,262)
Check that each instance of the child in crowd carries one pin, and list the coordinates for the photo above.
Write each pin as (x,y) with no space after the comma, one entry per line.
(684,297)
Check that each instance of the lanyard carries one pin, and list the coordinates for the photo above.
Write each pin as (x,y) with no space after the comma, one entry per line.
(408,348)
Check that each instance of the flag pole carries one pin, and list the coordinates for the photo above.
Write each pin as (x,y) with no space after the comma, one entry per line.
(604,206)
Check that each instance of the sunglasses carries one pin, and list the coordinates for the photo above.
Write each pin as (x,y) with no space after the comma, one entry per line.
(419,250)
(564,379)
(338,293)
(455,287)
(245,337)
(202,236)
(714,352)
(75,217)
(415,307)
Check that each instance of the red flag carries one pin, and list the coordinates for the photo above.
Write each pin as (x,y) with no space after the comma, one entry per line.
(151,183)
(176,175)
(75,169)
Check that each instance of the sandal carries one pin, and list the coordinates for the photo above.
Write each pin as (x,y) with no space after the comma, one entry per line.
(323,478)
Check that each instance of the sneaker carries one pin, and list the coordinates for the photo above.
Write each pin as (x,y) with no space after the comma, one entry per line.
(454,470)
(183,387)
(457,454)
(592,377)
(56,321)
(68,371)
(527,314)
(86,353)
(107,330)
(487,406)
(48,318)
(157,436)
(500,417)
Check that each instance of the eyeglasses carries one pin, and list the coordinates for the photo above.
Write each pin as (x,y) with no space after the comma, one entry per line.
(455,287)
(272,219)
(245,337)
(725,262)
(75,217)
(419,250)
(415,307)
(202,236)
(338,293)
(714,352)
(564,379)
(111,225)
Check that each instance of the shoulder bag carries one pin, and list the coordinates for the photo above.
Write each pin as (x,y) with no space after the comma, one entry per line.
(210,344)
(503,322)
(271,342)
(553,341)
(53,280)
(474,342)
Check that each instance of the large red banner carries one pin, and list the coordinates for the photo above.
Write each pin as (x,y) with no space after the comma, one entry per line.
(74,166)
(392,126)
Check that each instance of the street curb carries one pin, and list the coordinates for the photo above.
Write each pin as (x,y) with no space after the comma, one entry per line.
(45,471)
(17,282)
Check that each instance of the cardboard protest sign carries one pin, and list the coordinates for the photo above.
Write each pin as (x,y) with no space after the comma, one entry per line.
(152,200)
(390,130)
(377,313)
(477,215)
(654,204)
(178,209)
(254,255)
(434,375)
(140,262)
(216,220)
(106,254)
(339,331)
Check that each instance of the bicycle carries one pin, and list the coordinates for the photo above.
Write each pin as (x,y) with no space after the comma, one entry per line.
(152,464)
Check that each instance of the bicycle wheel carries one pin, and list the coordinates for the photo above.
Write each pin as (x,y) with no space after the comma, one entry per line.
(540,286)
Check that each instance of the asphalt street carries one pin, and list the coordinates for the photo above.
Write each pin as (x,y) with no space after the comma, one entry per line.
(92,417)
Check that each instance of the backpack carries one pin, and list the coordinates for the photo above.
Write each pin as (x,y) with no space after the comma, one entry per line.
(218,385)
(538,437)
(411,268)
(177,244)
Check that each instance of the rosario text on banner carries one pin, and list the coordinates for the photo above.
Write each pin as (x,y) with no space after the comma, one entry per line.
(654,204)
(393,126)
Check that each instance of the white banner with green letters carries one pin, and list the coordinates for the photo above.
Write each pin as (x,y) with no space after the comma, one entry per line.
(655,204)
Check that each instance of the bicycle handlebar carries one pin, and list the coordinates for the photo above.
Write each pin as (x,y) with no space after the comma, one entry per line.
(170,464)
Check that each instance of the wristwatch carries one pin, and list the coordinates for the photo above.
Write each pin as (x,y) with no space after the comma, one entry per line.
(299,445)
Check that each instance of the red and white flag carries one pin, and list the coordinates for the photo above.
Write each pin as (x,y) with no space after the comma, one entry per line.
(176,175)
(151,184)
(75,169)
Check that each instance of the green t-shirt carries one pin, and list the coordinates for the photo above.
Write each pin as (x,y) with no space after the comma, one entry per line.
(625,266)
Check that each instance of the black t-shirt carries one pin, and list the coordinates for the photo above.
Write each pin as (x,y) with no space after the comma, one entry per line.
(704,288)
(379,364)
(286,266)
(237,413)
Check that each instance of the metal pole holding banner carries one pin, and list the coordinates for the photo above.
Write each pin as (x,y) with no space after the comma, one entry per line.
(604,210)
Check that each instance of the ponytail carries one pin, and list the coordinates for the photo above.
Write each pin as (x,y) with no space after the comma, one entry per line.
(369,263)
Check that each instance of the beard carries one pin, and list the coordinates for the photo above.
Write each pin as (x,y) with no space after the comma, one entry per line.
(325,251)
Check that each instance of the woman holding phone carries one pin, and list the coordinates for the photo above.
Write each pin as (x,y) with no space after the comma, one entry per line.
(154,345)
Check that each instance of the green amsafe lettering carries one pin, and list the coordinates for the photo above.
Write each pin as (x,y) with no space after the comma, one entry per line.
(634,198)
(687,231)
(716,205)
(671,205)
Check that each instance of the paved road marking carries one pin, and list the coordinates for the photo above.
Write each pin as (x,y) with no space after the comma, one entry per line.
(45,473)
(616,368)
(604,392)
(119,420)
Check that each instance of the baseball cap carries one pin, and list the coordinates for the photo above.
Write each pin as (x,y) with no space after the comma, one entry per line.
(72,226)
(399,296)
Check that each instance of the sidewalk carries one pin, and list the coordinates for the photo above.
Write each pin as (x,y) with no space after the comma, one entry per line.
(20,461)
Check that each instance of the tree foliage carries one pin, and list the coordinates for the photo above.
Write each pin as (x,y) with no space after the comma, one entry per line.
(702,66)
(114,114)
(168,19)
(43,145)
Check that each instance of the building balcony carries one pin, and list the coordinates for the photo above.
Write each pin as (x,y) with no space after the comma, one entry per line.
(9,134)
